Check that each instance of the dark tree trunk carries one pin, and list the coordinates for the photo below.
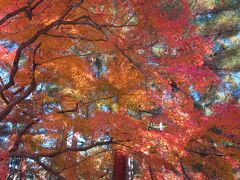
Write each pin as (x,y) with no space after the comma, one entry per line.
(120,165)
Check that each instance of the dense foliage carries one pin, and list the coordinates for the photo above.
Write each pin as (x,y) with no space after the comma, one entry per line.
(87,85)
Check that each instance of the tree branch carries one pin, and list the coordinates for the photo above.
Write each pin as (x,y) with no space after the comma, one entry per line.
(30,41)
(56,153)
(48,169)
(18,11)
(29,90)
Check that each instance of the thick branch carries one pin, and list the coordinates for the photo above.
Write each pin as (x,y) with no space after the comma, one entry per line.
(31,41)
(56,153)
(29,90)
(12,14)
(18,11)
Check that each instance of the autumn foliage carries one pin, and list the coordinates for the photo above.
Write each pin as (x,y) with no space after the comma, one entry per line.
(85,80)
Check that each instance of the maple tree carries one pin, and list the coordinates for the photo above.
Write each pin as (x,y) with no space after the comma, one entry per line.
(87,85)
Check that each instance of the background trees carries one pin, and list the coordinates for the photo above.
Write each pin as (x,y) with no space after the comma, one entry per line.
(83,79)
(220,20)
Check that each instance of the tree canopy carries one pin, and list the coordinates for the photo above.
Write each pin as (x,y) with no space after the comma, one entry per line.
(87,85)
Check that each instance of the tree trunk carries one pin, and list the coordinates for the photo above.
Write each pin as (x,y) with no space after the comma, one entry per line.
(120,165)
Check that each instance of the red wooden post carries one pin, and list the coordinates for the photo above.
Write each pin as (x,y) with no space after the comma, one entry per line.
(120,165)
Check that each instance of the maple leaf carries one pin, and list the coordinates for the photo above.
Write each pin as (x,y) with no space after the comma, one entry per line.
(89,83)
